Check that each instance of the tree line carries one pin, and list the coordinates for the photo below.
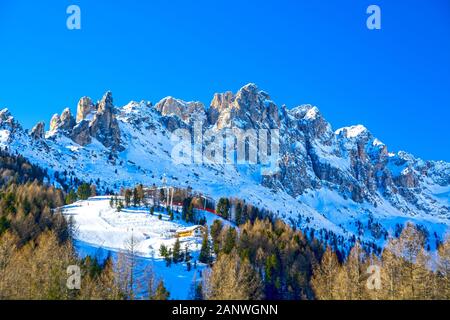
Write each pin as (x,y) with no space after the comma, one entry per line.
(270,260)
(404,270)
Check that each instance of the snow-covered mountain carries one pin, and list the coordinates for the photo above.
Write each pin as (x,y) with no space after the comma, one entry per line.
(345,181)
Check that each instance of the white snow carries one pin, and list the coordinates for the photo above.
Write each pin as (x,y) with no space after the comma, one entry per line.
(100,227)
(345,213)
(377,143)
(99,224)
(352,131)
(4,135)
(312,113)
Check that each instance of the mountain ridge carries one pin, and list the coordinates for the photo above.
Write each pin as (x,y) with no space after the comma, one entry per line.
(324,178)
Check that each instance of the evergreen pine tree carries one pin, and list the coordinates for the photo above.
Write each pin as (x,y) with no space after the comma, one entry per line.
(71,197)
(205,251)
(168,258)
(238,214)
(230,240)
(163,250)
(223,208)
(187,254)
(84,191)
(176,251)
(119,207)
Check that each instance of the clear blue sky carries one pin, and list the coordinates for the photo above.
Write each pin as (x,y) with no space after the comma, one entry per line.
(396,81)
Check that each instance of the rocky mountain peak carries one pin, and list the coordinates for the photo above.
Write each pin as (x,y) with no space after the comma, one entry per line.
(8,122)
(5,115)
(309,120)
(67,120)
(219,103)
(104,126)
(9,127)
(92,121)
(353,131)
(106,104)
(249,95)
(84,108)
(186,111)
(222,101)
(54,122)
(63,122)
(38,131)
(248,108)
(305,112)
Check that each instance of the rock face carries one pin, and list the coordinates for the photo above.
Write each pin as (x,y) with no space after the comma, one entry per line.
(6,118)
(249,108)
(179,113)
(54,122)
(312,156)
(67,121)
(8,126)
(104,126)
(81,133)
(92,121)
(84,108)
(38,131)
(220,103)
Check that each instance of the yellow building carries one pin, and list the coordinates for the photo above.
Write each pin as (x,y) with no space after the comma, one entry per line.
(194,231)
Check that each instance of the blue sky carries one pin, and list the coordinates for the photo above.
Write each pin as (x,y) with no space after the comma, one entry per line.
(395,81)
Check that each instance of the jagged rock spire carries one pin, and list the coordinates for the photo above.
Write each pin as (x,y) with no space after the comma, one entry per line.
(64,122)
(54,122)
(67,120)
(84,108)
(107,103)
(104,126)
(38,131)
(92,121)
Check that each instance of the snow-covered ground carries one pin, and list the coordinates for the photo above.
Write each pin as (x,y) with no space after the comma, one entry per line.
(100,230)
(4,135)
(348,215)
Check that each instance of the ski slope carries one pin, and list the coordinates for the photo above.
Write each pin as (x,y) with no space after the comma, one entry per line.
(100,230)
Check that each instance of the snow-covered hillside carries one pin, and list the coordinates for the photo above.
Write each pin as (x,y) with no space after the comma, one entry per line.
(345,181)
(100,229)
(100,225)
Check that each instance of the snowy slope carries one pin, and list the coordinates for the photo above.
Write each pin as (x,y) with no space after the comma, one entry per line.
(100,229)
